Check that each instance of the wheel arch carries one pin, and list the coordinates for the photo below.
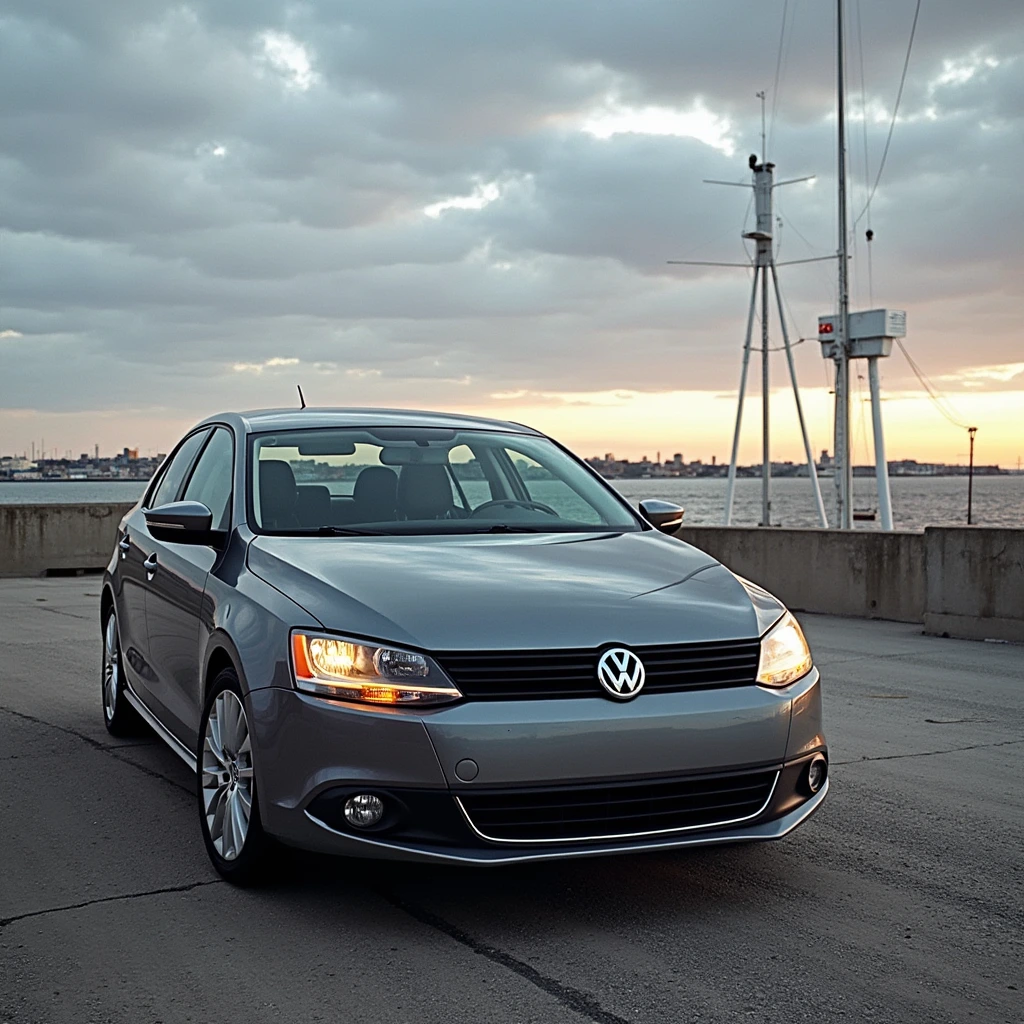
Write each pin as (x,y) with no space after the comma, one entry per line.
(106,602)
(221,653)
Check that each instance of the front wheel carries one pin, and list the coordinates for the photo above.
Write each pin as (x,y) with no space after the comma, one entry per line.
(229,813)
(120,718)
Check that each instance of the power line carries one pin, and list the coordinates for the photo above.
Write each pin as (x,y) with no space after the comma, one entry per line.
(938,399)
(801,339)
(778,68)
(830,283)
(895,111)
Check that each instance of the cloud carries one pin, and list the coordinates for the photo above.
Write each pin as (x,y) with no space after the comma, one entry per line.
(1005,375)
(269,364)
(698,122)
(440,204)
(289,58)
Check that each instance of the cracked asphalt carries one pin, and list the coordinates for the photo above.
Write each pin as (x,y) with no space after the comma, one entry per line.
(903,900)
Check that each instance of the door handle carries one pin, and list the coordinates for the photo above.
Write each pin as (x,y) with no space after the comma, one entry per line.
(150,566)
(125,546)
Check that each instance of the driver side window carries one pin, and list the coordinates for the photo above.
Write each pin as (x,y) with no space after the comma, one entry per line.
(179,465)
(211,479)
(544,487)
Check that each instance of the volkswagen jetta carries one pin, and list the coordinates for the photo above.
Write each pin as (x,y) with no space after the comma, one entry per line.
(440,638)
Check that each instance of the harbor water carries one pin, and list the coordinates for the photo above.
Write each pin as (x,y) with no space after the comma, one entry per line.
(917,501)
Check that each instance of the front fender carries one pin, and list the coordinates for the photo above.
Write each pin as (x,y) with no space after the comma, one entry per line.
(249,621)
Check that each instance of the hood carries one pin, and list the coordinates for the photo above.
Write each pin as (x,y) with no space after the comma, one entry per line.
(508,592)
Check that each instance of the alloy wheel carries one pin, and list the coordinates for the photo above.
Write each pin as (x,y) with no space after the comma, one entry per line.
(111,668)
(227,776)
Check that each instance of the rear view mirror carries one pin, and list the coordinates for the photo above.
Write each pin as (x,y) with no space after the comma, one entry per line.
(412,435)
(328,445)
(666,516)
(184,522)
(432,456)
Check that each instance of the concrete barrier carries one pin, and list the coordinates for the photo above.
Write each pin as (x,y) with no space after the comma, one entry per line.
(965,582)
(874,575)
(975,583)
(959,581)
(36,539)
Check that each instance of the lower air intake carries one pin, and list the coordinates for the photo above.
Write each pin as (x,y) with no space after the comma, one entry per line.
(619,809)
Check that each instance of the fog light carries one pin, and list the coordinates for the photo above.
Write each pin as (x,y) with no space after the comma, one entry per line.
(817,772)
(364,810)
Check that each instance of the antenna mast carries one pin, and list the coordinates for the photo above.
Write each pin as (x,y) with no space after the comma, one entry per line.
(763,185)
(843,461)
(763,236)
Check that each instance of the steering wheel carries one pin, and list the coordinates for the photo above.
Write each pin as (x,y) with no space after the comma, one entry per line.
(539,506)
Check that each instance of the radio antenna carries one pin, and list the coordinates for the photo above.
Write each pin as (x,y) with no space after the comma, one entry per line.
(302,400)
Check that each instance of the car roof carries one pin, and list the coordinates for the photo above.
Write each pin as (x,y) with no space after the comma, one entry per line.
(256,420)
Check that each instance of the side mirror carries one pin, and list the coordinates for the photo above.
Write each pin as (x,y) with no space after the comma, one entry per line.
(666,516)
(184,522)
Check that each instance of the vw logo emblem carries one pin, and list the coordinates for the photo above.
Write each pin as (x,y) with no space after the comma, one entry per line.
(621,673)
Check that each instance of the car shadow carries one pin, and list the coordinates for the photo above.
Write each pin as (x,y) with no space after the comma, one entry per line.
(631,889)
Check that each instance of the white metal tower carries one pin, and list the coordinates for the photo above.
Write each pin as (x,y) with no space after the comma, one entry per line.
(763,184)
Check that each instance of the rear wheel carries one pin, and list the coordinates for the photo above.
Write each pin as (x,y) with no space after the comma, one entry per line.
(229,813)
(120,718)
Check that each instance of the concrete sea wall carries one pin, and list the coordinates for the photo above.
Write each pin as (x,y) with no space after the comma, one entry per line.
(874,575)
(975,583)
(38,539)
(964,581)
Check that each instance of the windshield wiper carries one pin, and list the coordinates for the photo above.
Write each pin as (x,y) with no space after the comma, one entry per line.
(346,531)
(513,528)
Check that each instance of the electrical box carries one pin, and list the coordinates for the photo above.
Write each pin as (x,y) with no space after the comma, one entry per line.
(871,332)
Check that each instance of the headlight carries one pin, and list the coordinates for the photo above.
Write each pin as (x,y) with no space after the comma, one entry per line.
(348,670)
(785,656)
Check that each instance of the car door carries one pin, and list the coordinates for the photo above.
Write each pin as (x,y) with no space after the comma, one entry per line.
(174,597)
(140,562)
(130,595)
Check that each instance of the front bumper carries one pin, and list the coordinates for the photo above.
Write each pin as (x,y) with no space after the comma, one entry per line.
(311,755)
(326,840)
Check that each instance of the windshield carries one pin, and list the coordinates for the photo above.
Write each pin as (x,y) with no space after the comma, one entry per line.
(416,480)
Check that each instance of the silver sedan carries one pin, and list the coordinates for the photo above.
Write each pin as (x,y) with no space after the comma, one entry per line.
(439,638)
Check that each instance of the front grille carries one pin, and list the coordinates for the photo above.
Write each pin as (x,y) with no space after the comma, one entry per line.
(615,810)
(548,675)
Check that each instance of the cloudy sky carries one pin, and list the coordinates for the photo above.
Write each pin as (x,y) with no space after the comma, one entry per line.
(469,204)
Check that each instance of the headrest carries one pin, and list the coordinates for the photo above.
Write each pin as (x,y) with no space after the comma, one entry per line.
(314,504)
(424,491)
(376,483)
(277,478)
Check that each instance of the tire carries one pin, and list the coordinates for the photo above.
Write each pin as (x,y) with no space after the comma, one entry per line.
(120,718)
(229,812)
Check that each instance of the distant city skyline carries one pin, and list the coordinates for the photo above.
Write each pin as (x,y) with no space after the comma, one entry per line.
(661,457)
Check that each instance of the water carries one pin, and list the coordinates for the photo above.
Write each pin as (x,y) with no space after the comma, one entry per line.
(70,492)
(917,501)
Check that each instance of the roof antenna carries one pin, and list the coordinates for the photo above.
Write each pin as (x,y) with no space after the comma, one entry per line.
(302,400)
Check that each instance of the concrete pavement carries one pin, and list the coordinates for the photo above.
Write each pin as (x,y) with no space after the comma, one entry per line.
(900,901)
